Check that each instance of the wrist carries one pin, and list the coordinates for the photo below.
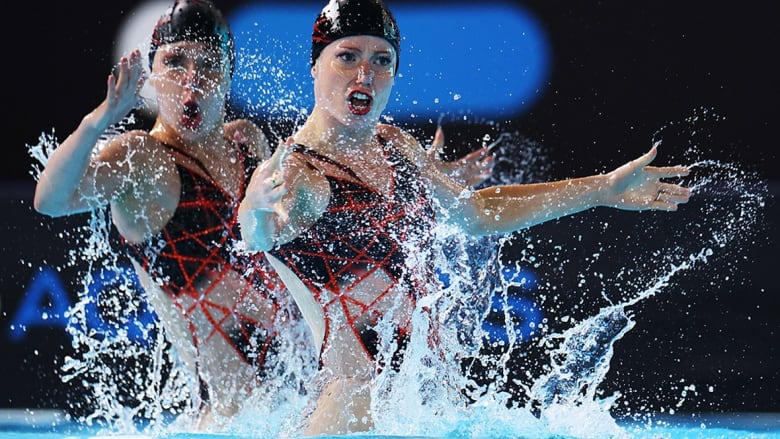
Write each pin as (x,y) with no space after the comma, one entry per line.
(601,190)
(96,121)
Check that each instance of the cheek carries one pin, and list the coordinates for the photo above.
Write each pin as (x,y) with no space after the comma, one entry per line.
(165,88)
(384,87)
(325,88)
(212,105)
(166,102)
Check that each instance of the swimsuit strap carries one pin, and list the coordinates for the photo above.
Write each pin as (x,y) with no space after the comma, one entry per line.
(296,147)
(249,162)
(190,157)
(310,152)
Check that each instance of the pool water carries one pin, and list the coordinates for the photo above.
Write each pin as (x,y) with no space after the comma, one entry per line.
(24,424)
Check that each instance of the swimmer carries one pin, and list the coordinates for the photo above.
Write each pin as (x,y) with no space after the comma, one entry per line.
(174,192)
(337,205)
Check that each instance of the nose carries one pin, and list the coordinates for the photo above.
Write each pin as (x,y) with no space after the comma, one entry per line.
(365,74)
(192,78)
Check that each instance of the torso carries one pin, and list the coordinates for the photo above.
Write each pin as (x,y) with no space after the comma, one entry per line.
(224,294)
(356,258)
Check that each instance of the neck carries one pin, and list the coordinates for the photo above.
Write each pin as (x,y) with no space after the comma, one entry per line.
(328,135)
(203,146)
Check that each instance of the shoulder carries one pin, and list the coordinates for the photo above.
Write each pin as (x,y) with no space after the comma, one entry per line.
(242,126)
(247,132)
(130,145)
(393,133)
(135,153)
(403,141)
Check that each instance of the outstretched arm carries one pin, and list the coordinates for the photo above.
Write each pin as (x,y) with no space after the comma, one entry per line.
(633,186)
(66,185)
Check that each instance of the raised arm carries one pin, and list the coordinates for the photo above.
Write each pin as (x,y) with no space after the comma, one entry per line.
(284,197)
(471,170)
(501,209)
(71,180)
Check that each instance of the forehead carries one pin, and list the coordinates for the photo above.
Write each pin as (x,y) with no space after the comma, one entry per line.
(362,42)
(192,48)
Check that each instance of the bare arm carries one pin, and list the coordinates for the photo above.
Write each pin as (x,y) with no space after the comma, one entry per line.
(71,179)
(633,186)
(501,209)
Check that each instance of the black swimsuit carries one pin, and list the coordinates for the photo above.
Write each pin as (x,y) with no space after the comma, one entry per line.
(196,250)
(363,232)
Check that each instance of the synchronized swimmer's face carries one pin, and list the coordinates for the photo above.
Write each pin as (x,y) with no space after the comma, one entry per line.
(191,80)
(353,78)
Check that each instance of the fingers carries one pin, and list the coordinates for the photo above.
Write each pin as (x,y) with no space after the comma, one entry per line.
(438,139)
(111,89)
(668,171)
(138,76)
(674,193)
(669,201)
(664,205)
(129,75)
(281,154)
(266,190)
(485,165)
(277,189)
(674,189)
(647,158)
(435,149)
(669,196)
(477,155)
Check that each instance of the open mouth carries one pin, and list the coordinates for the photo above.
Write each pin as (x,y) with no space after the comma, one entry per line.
(190,118)
(359,103)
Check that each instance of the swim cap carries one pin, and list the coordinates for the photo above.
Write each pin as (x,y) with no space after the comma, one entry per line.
(345,18)
(193,20)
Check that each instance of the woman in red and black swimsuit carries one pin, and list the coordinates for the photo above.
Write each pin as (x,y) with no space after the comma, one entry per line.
(174,192)
(345,209)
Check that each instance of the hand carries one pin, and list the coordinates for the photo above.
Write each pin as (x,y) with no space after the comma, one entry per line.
(470,170)
(123,90)
(637,186)
(270,183)
(263,212)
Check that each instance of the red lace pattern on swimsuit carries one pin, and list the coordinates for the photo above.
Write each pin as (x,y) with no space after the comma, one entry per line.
(195,251)
(362,232)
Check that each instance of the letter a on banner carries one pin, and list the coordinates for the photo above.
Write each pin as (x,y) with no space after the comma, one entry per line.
(45,303)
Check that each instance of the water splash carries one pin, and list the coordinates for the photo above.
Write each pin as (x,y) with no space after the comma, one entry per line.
(546,382)
(556,384)
(126,383)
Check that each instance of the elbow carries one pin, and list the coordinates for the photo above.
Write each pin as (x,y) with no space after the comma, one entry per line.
(255,233)
(51,203)
(45,206)
(255,244)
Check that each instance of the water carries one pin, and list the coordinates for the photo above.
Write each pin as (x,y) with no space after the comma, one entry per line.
(540,378)
(51,425)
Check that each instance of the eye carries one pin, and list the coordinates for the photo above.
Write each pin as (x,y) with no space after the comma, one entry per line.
(210,64)
(384,60)
(347,57)
(173,60)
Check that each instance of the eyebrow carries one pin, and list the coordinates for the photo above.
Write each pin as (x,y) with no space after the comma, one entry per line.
(352,46)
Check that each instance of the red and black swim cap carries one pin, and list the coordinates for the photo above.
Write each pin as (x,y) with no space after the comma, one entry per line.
(193,20)
(345,18)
